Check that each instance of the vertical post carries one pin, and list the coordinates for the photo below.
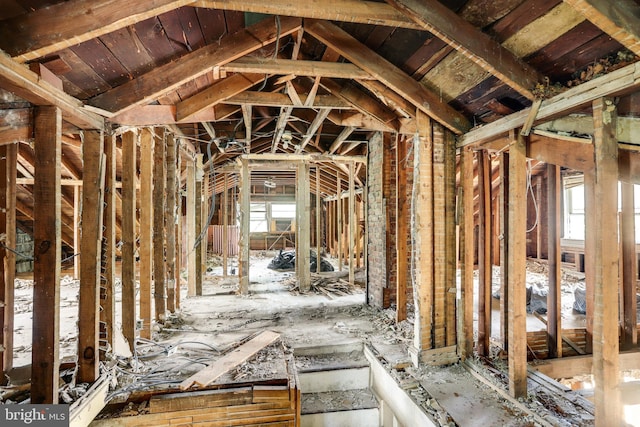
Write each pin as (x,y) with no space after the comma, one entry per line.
(504,246)
(318,219)
(439,238)
(47,250)
(90,247)
(517,269)
(339,215)
(484,253)
(177,187)
(422,231)
(8,164)
(465,330)
(401,231)
(539,218)
(590,244)
(146,230)
(129,147)
(451,252)
(107,315)
(629,260)
(76,231)
(352,225)
(606,373)
(159,181)
(170,214)
(245,201)
(199,224)
(191,227)
(225,226)
(303,227)
(554,303)
(205,220)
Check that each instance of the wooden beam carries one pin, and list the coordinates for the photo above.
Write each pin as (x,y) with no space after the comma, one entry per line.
(91,248)
(356,52)
(50,29)
(313,128)
(245,216)
(225,227)
(352,224)
(303,224)
(485,267)
(296,67)
(158,200)
(504,246)
(179,236)
(129,246)
(275,99)
(318,216)
(629,270)
(439,242)
(623,80)
(554,255)
(166,78)
(171,218)
(344,134)
(248,121)
(26,84)
(619,19)
(191,227)
(475,45)
(517,269)
(76,231)
(108,277)
(606,363)
(340,219)
(288,158)
(450,252)
(402,228)
(146,229)
(281,125)
(200,239)
(358,11)
(45,352)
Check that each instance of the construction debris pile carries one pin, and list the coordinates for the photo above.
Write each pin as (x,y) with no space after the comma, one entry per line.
(286,261)
(331,285)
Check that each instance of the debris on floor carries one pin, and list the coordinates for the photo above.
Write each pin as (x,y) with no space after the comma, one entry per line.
(286,261)
(329,285)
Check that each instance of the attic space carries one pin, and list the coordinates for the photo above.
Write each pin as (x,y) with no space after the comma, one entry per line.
(338,213)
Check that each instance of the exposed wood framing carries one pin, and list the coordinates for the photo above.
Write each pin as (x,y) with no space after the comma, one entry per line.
(129,246)
(303,225)
(191,227)
(245,198)
(200,239)
(146,229)
(296,67)
(504,246)
(91,248)
(554,255)
(171,219)
(340,219)
(590,244)
(517,269)
(178,229)
(402,228)
(318,217)
(225,225)
(352,223)
(47,250)
(158,200)
(605,324)
(484,253)
(439,238)
(108,276)
(465,316)
(451,253)
(629,261)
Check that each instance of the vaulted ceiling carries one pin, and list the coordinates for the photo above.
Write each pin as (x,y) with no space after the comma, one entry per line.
(308,76)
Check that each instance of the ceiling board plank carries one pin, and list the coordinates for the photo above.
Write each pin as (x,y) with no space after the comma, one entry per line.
(273,99)
(50,29)
(390,75)
(297,67)
(475,45)
(169,77)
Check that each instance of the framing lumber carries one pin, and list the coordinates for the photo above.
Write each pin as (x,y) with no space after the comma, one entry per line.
(504,246)
(439,238)
(281,125)
(352,224)
(465,316)
(356,52)
(402,228)
(517,303)
(618,82)
(619,19)
(285,158)
(275,99)
(146,229)
(247,118)
(484,253)
(340,219)
(200,231)
(475,45)
(318,217)
(191,227)
(46,266)
(129,246)
(313,128)
(171,219)
(108,277)
(629,269)
(554,255)
(451,252)
(51,29)
(590,243)
(26,84)
(608,410)
(158,200)
(93,159)
(245,214)
(296,67)
(225,227)
(178,229)
(166,78)
(422,231)
(303,226)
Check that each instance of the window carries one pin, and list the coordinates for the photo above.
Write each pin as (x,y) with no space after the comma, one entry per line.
(258,218)
(283,210)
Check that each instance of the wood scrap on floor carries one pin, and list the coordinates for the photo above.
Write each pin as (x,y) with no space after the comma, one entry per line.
(230,360)
(327,284)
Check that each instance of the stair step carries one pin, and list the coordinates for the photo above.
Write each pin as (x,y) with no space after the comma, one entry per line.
(334,380)
(359,418)
(338,401)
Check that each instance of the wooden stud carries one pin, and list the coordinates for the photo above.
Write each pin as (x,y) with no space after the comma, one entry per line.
(517,269)
(245,202)
(178,229)
(191,227)
(199,225)
(554,255)
(484,253)
(303,225)
(204,243)
(402,229)
(608,410)
(590,244)
(439,238)
(629,265)
(339,219)
(465,328)
(108,277)
(129,148)
(8,171)
(77,190)
(171,216)
(504,246)
(318,222)
(146,229)
(225,226)
(91,248)
(158,200)
(47,250)
(450,236)
(352,224)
